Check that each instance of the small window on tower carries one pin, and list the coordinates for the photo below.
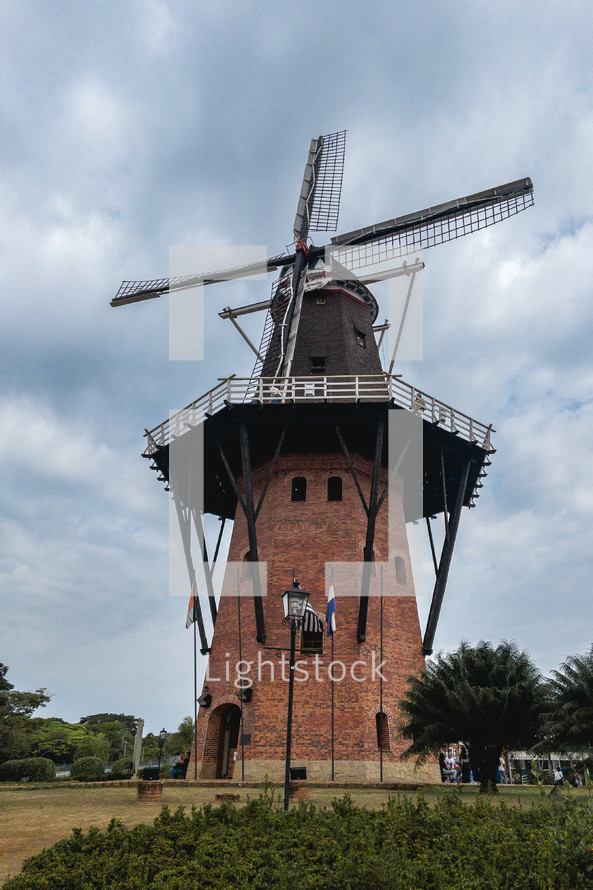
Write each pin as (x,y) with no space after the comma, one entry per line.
(318,364)
(299,489)
(361,339)
(320,299)
(400,571)
(334,488)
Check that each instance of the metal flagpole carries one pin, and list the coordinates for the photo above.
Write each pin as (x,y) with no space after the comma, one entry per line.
(195,706)
(332,684)
(332,687)
(381,717)
(241,662)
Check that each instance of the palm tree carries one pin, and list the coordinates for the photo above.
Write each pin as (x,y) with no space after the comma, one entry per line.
(186,731)
(486,698)
(568,719)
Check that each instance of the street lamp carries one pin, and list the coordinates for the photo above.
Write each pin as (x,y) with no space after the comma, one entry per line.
(163,735)
(295,604)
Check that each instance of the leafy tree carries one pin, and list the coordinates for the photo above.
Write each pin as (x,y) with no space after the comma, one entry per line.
(181,740)
(119,729)
(56,739)
(568,719)
(129,722)
(186,731)
(94,745)
(486,698)
(119,738)
(15,713)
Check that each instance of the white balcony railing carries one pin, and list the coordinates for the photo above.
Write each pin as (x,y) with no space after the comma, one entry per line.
(281,390)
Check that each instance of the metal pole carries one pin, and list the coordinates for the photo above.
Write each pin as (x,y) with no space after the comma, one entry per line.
(381,718)
(241,662)
(289,721)
(195,707)
(332,683)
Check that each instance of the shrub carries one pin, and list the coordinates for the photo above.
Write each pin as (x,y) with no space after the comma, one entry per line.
(36,769)
(407,844)
(87,769)
(119,769)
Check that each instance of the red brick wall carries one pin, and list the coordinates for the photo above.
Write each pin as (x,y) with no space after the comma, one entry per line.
(304,536)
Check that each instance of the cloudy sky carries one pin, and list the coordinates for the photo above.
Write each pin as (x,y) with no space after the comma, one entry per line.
(130,127)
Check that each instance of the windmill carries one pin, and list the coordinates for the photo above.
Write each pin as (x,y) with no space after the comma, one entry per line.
(298,456)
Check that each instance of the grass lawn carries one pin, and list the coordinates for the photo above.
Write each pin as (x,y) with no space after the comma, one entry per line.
(35,817)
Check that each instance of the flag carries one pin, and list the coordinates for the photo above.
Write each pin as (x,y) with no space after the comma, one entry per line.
(330,612)
(192,614)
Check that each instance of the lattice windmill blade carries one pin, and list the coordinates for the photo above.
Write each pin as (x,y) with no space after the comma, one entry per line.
(318,210)
(372,246)
(136,291)
(319,202)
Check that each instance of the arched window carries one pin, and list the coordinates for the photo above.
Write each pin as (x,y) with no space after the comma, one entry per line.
(382,721)
(334,488)
(246,568)
(400,571)
(298,490)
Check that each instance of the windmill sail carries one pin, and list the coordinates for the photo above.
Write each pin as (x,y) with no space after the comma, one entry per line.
(364,249)
(319,202)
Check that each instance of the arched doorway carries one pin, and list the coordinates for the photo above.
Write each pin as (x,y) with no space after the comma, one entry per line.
(228,739)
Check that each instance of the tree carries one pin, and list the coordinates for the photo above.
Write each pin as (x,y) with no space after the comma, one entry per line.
(483,697)
(15,713)
(93,745)
(56,739)
(150,746)
(181,740)
(568,718)
(129,722)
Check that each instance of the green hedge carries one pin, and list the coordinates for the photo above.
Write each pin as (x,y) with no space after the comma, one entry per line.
(406,845)
(36,769)
(118,769)
(88,769)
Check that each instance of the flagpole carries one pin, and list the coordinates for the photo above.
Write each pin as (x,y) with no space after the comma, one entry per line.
(241,662)
(332,688)
(195,706)
(381,689)
(332,684)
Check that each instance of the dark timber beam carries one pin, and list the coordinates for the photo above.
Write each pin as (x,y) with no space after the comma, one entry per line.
(444,565)
(352,470)
(184,520)
(251,533)
(272,468)
(199,524)
(373,509)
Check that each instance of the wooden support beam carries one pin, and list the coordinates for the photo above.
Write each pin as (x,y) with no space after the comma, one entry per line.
(444,481)
(352,470)
(444,565)
(251,533)
(432,550)
(272,467)
(184,520)
(199,525)
(373,509)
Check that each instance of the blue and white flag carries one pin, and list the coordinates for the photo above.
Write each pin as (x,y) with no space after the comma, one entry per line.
(330,612)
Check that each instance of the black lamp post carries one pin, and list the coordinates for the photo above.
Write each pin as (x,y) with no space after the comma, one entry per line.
(295,603)
(163,735)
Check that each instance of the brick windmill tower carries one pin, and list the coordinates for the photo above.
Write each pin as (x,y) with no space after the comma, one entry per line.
(320,458)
